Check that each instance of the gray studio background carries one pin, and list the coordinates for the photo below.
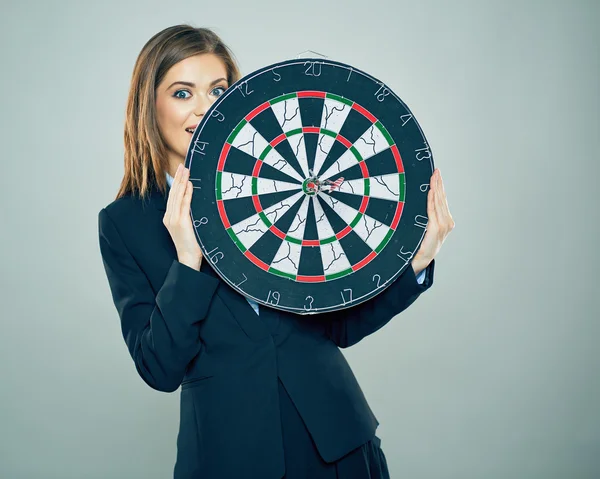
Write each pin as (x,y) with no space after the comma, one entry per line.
(493,373)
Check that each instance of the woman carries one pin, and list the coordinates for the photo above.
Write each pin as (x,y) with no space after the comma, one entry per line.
(264,393)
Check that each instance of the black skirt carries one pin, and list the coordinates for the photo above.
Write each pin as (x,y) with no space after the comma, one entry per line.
(302,460)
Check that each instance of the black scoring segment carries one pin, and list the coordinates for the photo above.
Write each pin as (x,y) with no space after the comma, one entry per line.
(267,125)
(355,126)
(266,247)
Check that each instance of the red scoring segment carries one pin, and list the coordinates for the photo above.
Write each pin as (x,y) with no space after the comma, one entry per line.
(310,243)
(397,215)
(278,140)
(256,202)
(344,232)
(223,214)
(310,279)
(360,109)
(277,232)
(311,93)
(364,169)
(343,141)
(257,167)
(311,129)
(364,261)
(261,264)
(223,157)
(363,204)
(257,110)
(398,158)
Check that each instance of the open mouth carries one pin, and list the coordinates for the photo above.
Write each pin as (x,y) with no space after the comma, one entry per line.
(190,130)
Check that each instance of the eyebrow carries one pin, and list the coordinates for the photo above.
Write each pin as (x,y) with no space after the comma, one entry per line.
(193,85)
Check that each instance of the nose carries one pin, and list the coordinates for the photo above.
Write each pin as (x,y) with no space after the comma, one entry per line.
(201,106)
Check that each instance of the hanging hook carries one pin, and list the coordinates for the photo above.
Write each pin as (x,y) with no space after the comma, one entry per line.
(311,51)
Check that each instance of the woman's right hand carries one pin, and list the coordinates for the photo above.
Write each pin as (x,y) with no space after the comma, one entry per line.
(178,222)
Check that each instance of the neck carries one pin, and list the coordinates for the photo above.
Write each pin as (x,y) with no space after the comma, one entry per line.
(174,162)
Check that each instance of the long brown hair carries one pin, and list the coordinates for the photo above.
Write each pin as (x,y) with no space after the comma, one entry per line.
(145,149)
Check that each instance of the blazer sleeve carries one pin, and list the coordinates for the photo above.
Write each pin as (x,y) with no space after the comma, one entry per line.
(347,327)
(161,330)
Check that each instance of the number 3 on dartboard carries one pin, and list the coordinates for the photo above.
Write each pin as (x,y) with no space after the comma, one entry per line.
(312,70)
(310,303)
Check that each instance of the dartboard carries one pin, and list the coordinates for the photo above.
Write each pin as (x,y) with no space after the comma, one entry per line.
(310,186)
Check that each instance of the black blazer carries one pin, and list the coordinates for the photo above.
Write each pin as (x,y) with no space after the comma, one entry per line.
(189,328)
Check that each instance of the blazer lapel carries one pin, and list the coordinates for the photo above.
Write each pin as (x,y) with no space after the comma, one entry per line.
(243,313)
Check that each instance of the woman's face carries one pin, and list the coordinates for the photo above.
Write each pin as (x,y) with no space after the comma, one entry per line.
(186,92)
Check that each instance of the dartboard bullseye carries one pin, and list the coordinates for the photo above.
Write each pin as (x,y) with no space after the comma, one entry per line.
(310,186)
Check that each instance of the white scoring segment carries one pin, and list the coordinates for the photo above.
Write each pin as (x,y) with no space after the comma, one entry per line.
(274,159)
(276,211)
(324,229)
(347,213)
(371,142)
(323,148)
(333,257)
(265,186)
(234,185)
(347,160)
(287,258)
(250,230)
(333,117)
(250,141)
(371,231)
(296,229)
(287,113)
(386,187)
(299,149)
(353,187)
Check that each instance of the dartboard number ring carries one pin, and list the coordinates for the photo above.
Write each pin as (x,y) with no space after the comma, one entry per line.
(310,186)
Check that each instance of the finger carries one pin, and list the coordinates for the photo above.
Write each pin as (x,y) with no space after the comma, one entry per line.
(443,206)
(173,190)
(441,182)
(177,205)
(431,214)
(436,204)
(188,195)
(430,196)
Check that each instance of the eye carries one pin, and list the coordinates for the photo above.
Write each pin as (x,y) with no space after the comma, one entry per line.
(177,94)
(218,91)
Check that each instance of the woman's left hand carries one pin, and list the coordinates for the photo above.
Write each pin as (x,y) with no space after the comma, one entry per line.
(439,223)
